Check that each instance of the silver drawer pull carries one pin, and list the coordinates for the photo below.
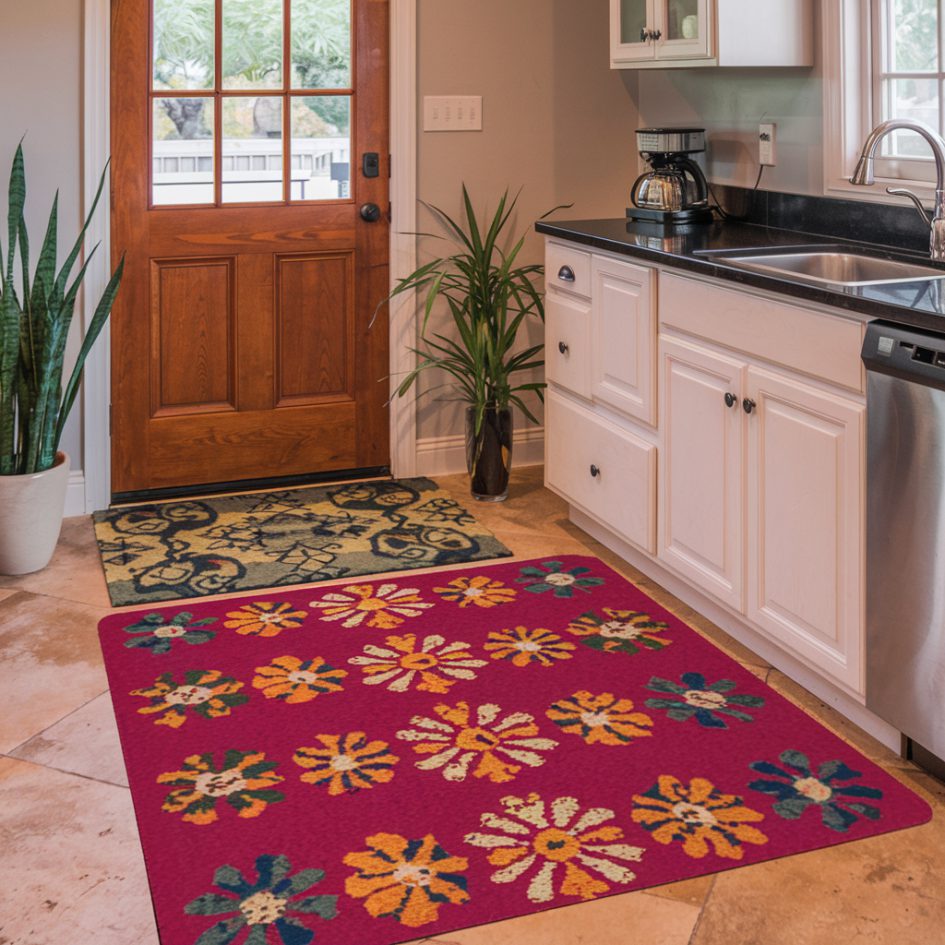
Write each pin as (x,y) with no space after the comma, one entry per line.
(562,347)
(566,274)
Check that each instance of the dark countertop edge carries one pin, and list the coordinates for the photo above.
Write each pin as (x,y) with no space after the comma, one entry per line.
(577,232)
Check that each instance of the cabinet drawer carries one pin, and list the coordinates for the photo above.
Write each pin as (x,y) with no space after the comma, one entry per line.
(623,493)
(814,343)
(567,343)
(568,269)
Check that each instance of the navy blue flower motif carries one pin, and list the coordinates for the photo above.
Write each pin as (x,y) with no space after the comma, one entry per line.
(796,788)
(551,576)
(269,903)
(706,703)
(156,633)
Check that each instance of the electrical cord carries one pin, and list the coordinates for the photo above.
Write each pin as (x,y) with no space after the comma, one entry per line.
(724,214)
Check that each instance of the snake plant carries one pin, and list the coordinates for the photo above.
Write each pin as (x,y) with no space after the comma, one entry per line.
(36,311)
(488,297)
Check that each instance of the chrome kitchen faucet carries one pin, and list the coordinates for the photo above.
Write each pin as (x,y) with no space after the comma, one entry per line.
(863,175)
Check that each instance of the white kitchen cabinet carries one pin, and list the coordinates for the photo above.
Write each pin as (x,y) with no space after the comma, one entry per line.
(623,327)
(781,519)
(600,339)
(701,509)
(682,33)
(805,528)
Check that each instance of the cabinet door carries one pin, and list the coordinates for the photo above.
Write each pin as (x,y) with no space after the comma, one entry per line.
(567,343)
(805,523)
(685,29)
(701,496)
(623,361)
(630,24)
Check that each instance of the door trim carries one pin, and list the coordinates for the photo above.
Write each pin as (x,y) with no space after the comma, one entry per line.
(96,442)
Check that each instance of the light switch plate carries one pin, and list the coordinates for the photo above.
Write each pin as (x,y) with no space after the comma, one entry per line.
(452,113)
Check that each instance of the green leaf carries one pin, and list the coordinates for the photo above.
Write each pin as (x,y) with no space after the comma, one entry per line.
(212,904)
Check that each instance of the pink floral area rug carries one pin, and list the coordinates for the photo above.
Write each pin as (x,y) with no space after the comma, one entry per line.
(380,762)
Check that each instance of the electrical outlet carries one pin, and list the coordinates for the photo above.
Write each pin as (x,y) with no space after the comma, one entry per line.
(768,144)
(452,113)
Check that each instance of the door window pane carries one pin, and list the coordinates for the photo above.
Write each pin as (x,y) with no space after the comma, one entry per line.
(321,147)
(252,44)
(183,44)
(321,44)
(182,157)
(252,149)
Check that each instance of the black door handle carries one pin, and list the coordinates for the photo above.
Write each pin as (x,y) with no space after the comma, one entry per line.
(370,212)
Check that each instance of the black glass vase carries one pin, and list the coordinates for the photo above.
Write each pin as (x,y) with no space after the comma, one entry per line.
(489,453)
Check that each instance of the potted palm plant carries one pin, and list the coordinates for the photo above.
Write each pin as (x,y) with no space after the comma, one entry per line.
(36,312)
(489,296)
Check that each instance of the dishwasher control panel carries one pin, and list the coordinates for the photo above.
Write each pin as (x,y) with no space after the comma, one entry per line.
(909,353)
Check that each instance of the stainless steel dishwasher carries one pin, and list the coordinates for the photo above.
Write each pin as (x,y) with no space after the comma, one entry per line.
(905,526)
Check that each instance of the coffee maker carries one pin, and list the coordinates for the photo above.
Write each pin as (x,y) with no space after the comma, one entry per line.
(674,189)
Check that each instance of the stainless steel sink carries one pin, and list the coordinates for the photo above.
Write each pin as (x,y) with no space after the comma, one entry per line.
(828,266)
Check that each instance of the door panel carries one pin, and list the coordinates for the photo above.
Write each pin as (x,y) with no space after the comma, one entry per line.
(701,496)
(241,341)
(804,461)
(192,336)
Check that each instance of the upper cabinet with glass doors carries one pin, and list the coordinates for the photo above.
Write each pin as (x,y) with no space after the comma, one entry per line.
(663,34)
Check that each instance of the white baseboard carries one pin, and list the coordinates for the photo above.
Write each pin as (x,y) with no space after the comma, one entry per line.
(75,494)
(446,455)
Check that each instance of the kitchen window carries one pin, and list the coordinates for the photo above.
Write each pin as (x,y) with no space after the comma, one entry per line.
(882,59)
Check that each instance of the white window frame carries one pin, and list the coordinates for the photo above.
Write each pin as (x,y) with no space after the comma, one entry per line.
(846,31)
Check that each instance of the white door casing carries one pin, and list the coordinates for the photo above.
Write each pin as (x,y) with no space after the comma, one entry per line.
(95,153)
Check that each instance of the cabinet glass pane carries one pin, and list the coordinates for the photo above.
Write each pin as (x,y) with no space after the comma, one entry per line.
(632,20)
(321,147)
(321,44)
(913,27)
(182,153)
(252,44)
(682,19)
(183,44)
(252,149)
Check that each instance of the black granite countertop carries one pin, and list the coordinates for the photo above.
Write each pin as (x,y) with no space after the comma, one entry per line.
(920,304)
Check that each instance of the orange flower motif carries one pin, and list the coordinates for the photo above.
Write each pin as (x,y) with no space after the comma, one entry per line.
(294,680)
(201,692)
(484,742)
(600,720)
(346,763)
(385,607)
(263,619)
(243,778)
(697,815)
(406,880)
(401,661)
(524,647)
(480,591)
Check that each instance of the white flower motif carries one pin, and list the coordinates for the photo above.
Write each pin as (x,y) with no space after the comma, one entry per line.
(491,747)
(384,607)
(529,832)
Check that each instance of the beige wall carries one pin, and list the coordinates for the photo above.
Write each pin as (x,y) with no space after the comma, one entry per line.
(729,104)
(556,122)
(40,75)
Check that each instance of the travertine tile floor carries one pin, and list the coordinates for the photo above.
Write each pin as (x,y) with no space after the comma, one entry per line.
(71,869)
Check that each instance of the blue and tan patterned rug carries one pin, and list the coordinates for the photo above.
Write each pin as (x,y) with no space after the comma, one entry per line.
(195,548)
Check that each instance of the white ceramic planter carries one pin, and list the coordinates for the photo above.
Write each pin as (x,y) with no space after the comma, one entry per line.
(31,509)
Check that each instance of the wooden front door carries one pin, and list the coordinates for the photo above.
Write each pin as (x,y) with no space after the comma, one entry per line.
(242,345)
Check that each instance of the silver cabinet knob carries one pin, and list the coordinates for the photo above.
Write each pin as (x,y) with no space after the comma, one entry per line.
(566,274)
